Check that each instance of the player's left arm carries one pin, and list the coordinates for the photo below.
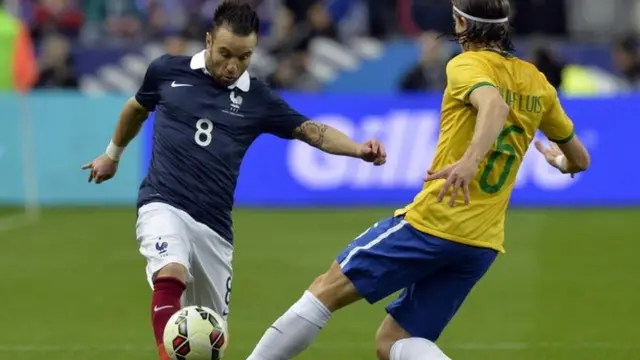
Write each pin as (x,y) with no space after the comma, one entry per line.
(334,141)
(285,122)
(469,81)
(566,152)
(326,138)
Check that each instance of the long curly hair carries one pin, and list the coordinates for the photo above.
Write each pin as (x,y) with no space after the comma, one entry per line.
(479,33)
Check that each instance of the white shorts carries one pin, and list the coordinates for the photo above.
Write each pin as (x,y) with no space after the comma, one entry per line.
(169,235)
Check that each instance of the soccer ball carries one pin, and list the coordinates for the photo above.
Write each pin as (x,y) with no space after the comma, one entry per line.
(195,333)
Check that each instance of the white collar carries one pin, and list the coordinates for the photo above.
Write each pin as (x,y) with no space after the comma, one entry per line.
(243,83)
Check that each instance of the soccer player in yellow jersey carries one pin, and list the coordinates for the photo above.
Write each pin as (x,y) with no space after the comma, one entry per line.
(439,246)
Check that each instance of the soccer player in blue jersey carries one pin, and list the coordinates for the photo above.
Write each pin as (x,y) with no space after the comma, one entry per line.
(208,111)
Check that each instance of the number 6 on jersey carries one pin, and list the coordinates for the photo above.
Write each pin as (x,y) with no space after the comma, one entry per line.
(502,148)
(204,127)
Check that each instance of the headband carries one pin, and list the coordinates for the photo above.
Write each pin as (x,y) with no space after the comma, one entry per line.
(480,20)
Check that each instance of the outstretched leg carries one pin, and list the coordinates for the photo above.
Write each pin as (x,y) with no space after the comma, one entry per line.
(162,234)
(298,327)
(372,267)
(420,314)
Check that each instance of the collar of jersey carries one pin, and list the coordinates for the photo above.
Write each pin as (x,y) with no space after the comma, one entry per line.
(501,52)
(243,83)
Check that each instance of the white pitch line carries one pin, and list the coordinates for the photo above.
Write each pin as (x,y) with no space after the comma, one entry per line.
(524,346)
(16,221)
(515,346)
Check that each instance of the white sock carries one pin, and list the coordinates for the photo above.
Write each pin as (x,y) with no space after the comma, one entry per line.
(416,349)
(294,331)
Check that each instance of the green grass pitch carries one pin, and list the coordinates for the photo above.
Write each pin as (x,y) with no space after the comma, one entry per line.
(73,286)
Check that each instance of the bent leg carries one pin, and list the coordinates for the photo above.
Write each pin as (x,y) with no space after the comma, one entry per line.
(162,239)
(168,286)
(423,310)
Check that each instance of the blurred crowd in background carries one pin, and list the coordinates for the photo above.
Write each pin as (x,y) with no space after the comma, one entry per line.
(63,30)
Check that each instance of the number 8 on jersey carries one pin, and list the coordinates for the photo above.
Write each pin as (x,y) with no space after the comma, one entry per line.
(204,127)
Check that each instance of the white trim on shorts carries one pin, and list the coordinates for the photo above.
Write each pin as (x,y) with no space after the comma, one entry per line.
(373,242)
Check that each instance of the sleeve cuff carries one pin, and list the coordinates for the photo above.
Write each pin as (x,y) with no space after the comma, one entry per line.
(145,103)
(565,140)
(465,99)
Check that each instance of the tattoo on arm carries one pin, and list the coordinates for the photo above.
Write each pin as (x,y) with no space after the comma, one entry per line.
(311,132)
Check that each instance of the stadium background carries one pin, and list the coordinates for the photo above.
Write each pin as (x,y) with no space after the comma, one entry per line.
(73,283)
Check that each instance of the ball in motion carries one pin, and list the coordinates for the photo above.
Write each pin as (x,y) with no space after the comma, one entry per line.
(195,333)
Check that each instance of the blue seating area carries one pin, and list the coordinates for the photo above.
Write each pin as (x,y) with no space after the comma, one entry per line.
(377,75)
(384,73)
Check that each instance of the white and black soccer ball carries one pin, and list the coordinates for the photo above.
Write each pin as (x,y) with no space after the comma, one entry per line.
(195,333)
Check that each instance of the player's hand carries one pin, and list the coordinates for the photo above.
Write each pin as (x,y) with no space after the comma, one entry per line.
(373,151)
(458,176)
(101,169)
(550,154)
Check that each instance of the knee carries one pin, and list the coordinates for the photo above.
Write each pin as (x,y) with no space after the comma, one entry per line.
(383,351)
(318,283)
(320,287)
(384,342)
(334,289)
(173,270)
(387,335)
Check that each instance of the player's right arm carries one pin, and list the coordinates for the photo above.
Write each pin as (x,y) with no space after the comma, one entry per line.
(567,153)
(492,115)
(136,110)
(132,117)
(134,113)
(471,82)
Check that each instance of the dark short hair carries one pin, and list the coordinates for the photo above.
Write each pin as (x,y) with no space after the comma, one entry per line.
(484,33)
(238,16)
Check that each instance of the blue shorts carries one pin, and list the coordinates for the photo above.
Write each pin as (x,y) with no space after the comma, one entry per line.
(436,274)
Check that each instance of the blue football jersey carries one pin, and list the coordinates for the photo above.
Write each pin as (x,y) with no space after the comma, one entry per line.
(202,131)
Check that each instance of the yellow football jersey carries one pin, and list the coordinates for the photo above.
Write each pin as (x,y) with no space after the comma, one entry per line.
(534,105)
